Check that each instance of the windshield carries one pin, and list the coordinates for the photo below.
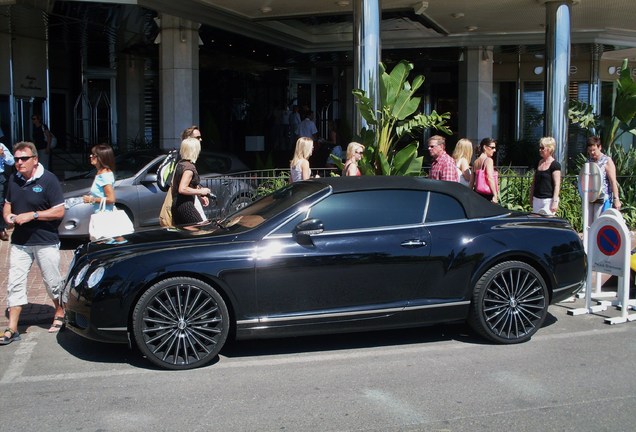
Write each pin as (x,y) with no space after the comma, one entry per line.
(271,205)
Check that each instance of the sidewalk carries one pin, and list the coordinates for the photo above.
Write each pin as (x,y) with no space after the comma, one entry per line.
(40,308)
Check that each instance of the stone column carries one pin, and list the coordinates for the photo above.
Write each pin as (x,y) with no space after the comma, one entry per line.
(179,78)
(475,94)
(366,58)
(557,67)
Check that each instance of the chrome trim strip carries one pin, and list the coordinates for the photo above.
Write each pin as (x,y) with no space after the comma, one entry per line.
(391,227)
(118,329)
(345,314)
(437,305)
(569,287)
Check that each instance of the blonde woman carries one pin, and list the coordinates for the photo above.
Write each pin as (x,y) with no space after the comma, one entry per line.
(299,165)
(546,185)
(463,154)
(354,154)
(185,185)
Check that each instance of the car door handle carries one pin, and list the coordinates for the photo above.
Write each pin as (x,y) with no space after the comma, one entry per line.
(413,243)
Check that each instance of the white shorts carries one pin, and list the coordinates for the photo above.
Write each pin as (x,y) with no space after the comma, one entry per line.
(21,259)
(542,206)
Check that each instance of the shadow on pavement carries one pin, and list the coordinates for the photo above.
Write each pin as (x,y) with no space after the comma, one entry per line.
(99,352)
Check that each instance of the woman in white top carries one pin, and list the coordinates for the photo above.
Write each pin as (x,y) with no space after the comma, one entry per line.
(463,154)
(299,165)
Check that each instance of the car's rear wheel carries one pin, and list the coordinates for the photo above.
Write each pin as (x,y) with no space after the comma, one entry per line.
(180,323)
(510,303)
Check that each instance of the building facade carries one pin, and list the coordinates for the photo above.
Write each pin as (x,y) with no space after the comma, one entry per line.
(136,73)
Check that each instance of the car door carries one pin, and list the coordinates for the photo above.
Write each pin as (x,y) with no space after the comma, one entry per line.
(366,262)
(448,268)
(148,195)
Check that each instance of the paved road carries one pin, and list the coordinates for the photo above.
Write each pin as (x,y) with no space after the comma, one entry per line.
(576,374)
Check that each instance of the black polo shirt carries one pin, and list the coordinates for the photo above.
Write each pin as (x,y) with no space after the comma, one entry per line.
(40,193)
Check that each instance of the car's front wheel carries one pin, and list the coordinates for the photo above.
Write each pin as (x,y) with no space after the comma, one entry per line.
(510,302)
(180,323)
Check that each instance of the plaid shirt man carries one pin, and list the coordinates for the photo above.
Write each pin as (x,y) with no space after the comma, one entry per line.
(443,167)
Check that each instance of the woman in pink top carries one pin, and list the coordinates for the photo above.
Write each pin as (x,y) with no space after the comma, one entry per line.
(354,154)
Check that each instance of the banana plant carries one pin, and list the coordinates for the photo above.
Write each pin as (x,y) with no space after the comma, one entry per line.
(623,120)
(396,120)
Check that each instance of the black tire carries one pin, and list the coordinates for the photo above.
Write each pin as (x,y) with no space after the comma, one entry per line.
(180,323)
(510,303)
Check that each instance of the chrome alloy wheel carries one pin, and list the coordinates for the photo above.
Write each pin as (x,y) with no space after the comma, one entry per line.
(180,323)
(510,303)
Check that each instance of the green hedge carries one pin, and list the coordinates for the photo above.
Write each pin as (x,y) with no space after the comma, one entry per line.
(515,195)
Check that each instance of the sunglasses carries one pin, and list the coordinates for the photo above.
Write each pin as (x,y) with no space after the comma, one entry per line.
(358,152)
(492,147)
(22,158)
(541,148)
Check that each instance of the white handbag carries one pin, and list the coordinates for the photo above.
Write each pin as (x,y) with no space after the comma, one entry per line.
(107,224)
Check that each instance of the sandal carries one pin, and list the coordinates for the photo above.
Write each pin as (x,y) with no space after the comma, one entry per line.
(58,323)
(15,336)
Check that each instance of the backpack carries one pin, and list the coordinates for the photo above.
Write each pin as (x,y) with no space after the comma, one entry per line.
(165,172)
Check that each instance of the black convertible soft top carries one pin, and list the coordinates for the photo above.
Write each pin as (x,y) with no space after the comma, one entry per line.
(474,205)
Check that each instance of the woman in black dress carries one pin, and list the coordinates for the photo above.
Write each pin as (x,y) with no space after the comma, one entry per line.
(185,185)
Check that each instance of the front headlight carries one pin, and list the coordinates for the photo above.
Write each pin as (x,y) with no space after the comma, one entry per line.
(79,277)
(95,277)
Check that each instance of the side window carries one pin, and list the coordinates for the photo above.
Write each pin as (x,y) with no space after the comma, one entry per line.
(444,208)
(370,209)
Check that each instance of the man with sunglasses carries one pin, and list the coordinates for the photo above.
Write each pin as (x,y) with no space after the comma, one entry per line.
(34,206)
(443,167)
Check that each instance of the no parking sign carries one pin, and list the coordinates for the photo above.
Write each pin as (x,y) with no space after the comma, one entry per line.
(608,241)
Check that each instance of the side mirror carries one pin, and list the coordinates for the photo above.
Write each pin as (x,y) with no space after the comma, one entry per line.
(149,178)
(305,229)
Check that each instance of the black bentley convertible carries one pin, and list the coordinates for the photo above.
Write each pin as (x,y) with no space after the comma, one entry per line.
(323,256)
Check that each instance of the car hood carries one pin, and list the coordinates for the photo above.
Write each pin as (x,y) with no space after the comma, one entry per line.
(156,239)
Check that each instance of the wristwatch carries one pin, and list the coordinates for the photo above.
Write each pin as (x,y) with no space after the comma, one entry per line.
(35,215)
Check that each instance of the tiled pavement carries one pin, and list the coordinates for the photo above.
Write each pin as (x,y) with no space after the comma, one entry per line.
(40,308)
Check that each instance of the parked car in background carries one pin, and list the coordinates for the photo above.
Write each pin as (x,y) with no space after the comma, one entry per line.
(138,195)
(337,254)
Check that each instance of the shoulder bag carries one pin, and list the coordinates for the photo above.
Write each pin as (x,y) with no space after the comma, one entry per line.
(165,215)
(107,224)
(481,182)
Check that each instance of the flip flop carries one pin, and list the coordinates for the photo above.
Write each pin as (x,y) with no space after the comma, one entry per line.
(58,323)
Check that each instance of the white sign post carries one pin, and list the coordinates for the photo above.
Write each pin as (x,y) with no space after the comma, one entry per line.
(608,249)
(590,184)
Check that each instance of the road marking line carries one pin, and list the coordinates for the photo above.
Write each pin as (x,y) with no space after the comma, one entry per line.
(20,359)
